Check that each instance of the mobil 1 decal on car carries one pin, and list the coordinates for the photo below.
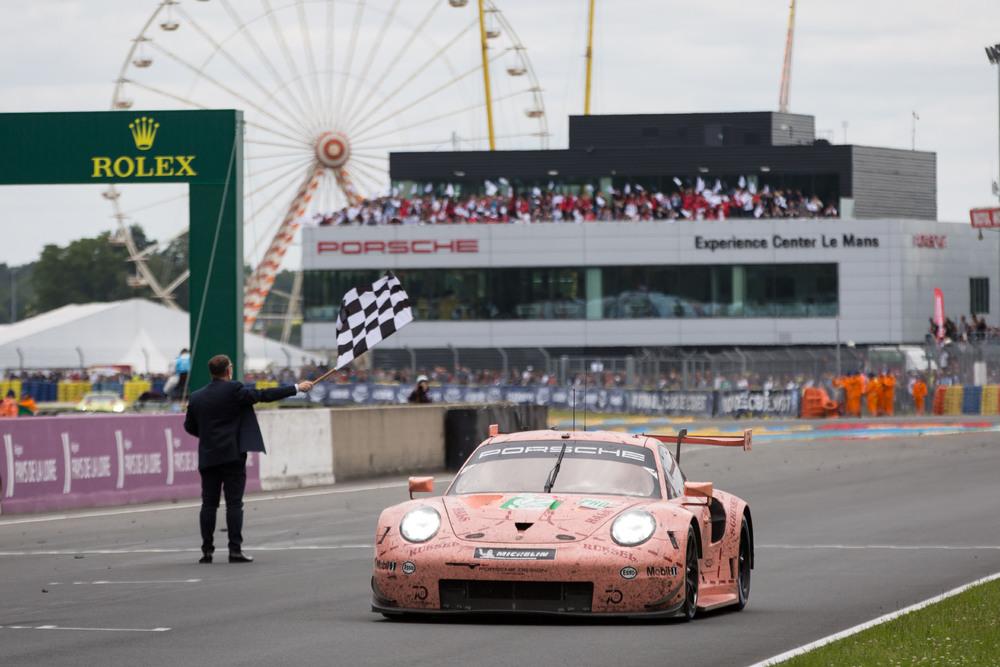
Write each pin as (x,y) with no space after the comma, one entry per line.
(491,553)
(595,504)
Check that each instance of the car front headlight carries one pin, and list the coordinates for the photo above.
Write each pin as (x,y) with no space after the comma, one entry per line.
(633,528)
(420,525)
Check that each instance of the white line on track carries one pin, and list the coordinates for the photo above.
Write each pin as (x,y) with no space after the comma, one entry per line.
(112,583)
(114,552)
(805,648)
(894,547)
(59,627)
(281,495)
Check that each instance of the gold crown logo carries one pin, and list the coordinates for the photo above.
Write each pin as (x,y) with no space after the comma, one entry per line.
(143,132)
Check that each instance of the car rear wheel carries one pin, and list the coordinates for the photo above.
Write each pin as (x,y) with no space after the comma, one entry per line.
(743,567)
(691,576)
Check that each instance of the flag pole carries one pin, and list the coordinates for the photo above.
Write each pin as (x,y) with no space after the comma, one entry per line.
(325,375)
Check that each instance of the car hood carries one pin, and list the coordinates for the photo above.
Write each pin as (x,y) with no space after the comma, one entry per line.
(525,518)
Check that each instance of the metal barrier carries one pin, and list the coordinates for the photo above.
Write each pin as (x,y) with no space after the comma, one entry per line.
(649,368)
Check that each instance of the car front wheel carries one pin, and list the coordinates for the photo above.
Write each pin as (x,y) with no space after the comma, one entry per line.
(691,576)
(743,567)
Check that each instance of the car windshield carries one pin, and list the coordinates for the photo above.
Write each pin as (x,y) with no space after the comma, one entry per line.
(587,467)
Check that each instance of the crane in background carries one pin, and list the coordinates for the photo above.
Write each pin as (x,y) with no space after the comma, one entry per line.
(786,68)
(590,59)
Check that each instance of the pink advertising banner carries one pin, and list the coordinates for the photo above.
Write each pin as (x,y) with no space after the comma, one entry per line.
(939,312)
(60,463)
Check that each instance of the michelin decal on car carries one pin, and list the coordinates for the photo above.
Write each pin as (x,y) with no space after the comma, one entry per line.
(489,553)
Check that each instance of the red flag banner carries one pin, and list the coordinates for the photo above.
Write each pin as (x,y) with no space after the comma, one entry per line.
(939,312)
(985,218)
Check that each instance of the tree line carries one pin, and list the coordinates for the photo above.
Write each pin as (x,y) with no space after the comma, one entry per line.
(97,269)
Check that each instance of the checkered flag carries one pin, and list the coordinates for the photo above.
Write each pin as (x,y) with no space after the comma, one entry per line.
(367,318)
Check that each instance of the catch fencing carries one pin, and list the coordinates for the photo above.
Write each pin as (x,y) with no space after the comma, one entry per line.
(677,369)
(648,368)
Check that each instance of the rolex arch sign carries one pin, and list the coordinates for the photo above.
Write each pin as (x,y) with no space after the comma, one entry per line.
(201,148)
(144,129)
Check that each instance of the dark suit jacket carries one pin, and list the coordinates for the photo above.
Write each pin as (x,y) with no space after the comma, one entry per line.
(221,416)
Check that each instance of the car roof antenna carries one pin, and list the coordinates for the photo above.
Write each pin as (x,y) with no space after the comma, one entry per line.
(680,438)
(574,408)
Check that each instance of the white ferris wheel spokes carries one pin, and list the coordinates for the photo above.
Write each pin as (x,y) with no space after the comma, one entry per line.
(328,89)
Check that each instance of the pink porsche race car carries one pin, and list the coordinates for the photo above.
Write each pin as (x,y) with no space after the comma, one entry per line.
(573,523)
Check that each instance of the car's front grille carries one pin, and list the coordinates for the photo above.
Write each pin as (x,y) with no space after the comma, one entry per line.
(539,596)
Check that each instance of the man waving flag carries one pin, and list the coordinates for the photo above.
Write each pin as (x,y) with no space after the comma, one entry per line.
(367,318)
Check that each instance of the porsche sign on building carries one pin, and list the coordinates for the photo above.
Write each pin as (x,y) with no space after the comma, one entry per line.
(656,283)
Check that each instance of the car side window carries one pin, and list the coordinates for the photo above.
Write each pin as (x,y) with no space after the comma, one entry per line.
(672,472)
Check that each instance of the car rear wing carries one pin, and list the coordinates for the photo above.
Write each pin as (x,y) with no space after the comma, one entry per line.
(717,440)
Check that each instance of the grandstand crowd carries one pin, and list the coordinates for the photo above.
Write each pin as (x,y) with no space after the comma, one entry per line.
(630,203)
(968,330)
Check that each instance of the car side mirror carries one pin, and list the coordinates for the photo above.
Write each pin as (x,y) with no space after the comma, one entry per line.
(694,491)
(421,485)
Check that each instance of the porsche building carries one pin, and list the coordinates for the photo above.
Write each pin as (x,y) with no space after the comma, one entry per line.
(866,276)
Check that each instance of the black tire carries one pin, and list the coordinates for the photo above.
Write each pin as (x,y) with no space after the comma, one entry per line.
(691,576)
(395,617)
(743,567)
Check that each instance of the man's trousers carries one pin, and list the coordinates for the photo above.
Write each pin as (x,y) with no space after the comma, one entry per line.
(230,477)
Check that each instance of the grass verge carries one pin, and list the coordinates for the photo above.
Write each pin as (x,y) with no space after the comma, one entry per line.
(961,630)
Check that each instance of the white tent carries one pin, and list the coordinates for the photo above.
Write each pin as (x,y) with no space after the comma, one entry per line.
(139,333)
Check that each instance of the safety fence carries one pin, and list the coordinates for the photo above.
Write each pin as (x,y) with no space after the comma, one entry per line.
(695,403)
(653,367)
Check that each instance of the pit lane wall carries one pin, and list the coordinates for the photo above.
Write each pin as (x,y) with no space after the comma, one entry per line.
(299,448)
(373,441)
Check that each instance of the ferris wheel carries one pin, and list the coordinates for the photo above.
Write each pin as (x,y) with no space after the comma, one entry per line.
(328,89)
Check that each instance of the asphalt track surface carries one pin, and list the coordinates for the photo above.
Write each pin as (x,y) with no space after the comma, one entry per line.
(846,530)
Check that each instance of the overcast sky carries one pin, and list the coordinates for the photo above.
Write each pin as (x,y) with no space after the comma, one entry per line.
(869,63)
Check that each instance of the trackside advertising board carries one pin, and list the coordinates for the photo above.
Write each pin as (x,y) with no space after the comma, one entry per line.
(702,403)
(59,463)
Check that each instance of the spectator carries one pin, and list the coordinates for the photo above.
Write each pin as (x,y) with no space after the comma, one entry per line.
(887,393)
(419,393)
(950,330)
(8,406)
(873,390)
(919,392)
(697,201)
(182,366)
(27,406)
(980,326)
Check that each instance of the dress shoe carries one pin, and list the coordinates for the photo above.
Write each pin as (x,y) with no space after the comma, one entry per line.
(206,559)
(240,557)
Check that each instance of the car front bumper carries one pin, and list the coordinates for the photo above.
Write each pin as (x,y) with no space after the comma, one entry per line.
(584,579)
